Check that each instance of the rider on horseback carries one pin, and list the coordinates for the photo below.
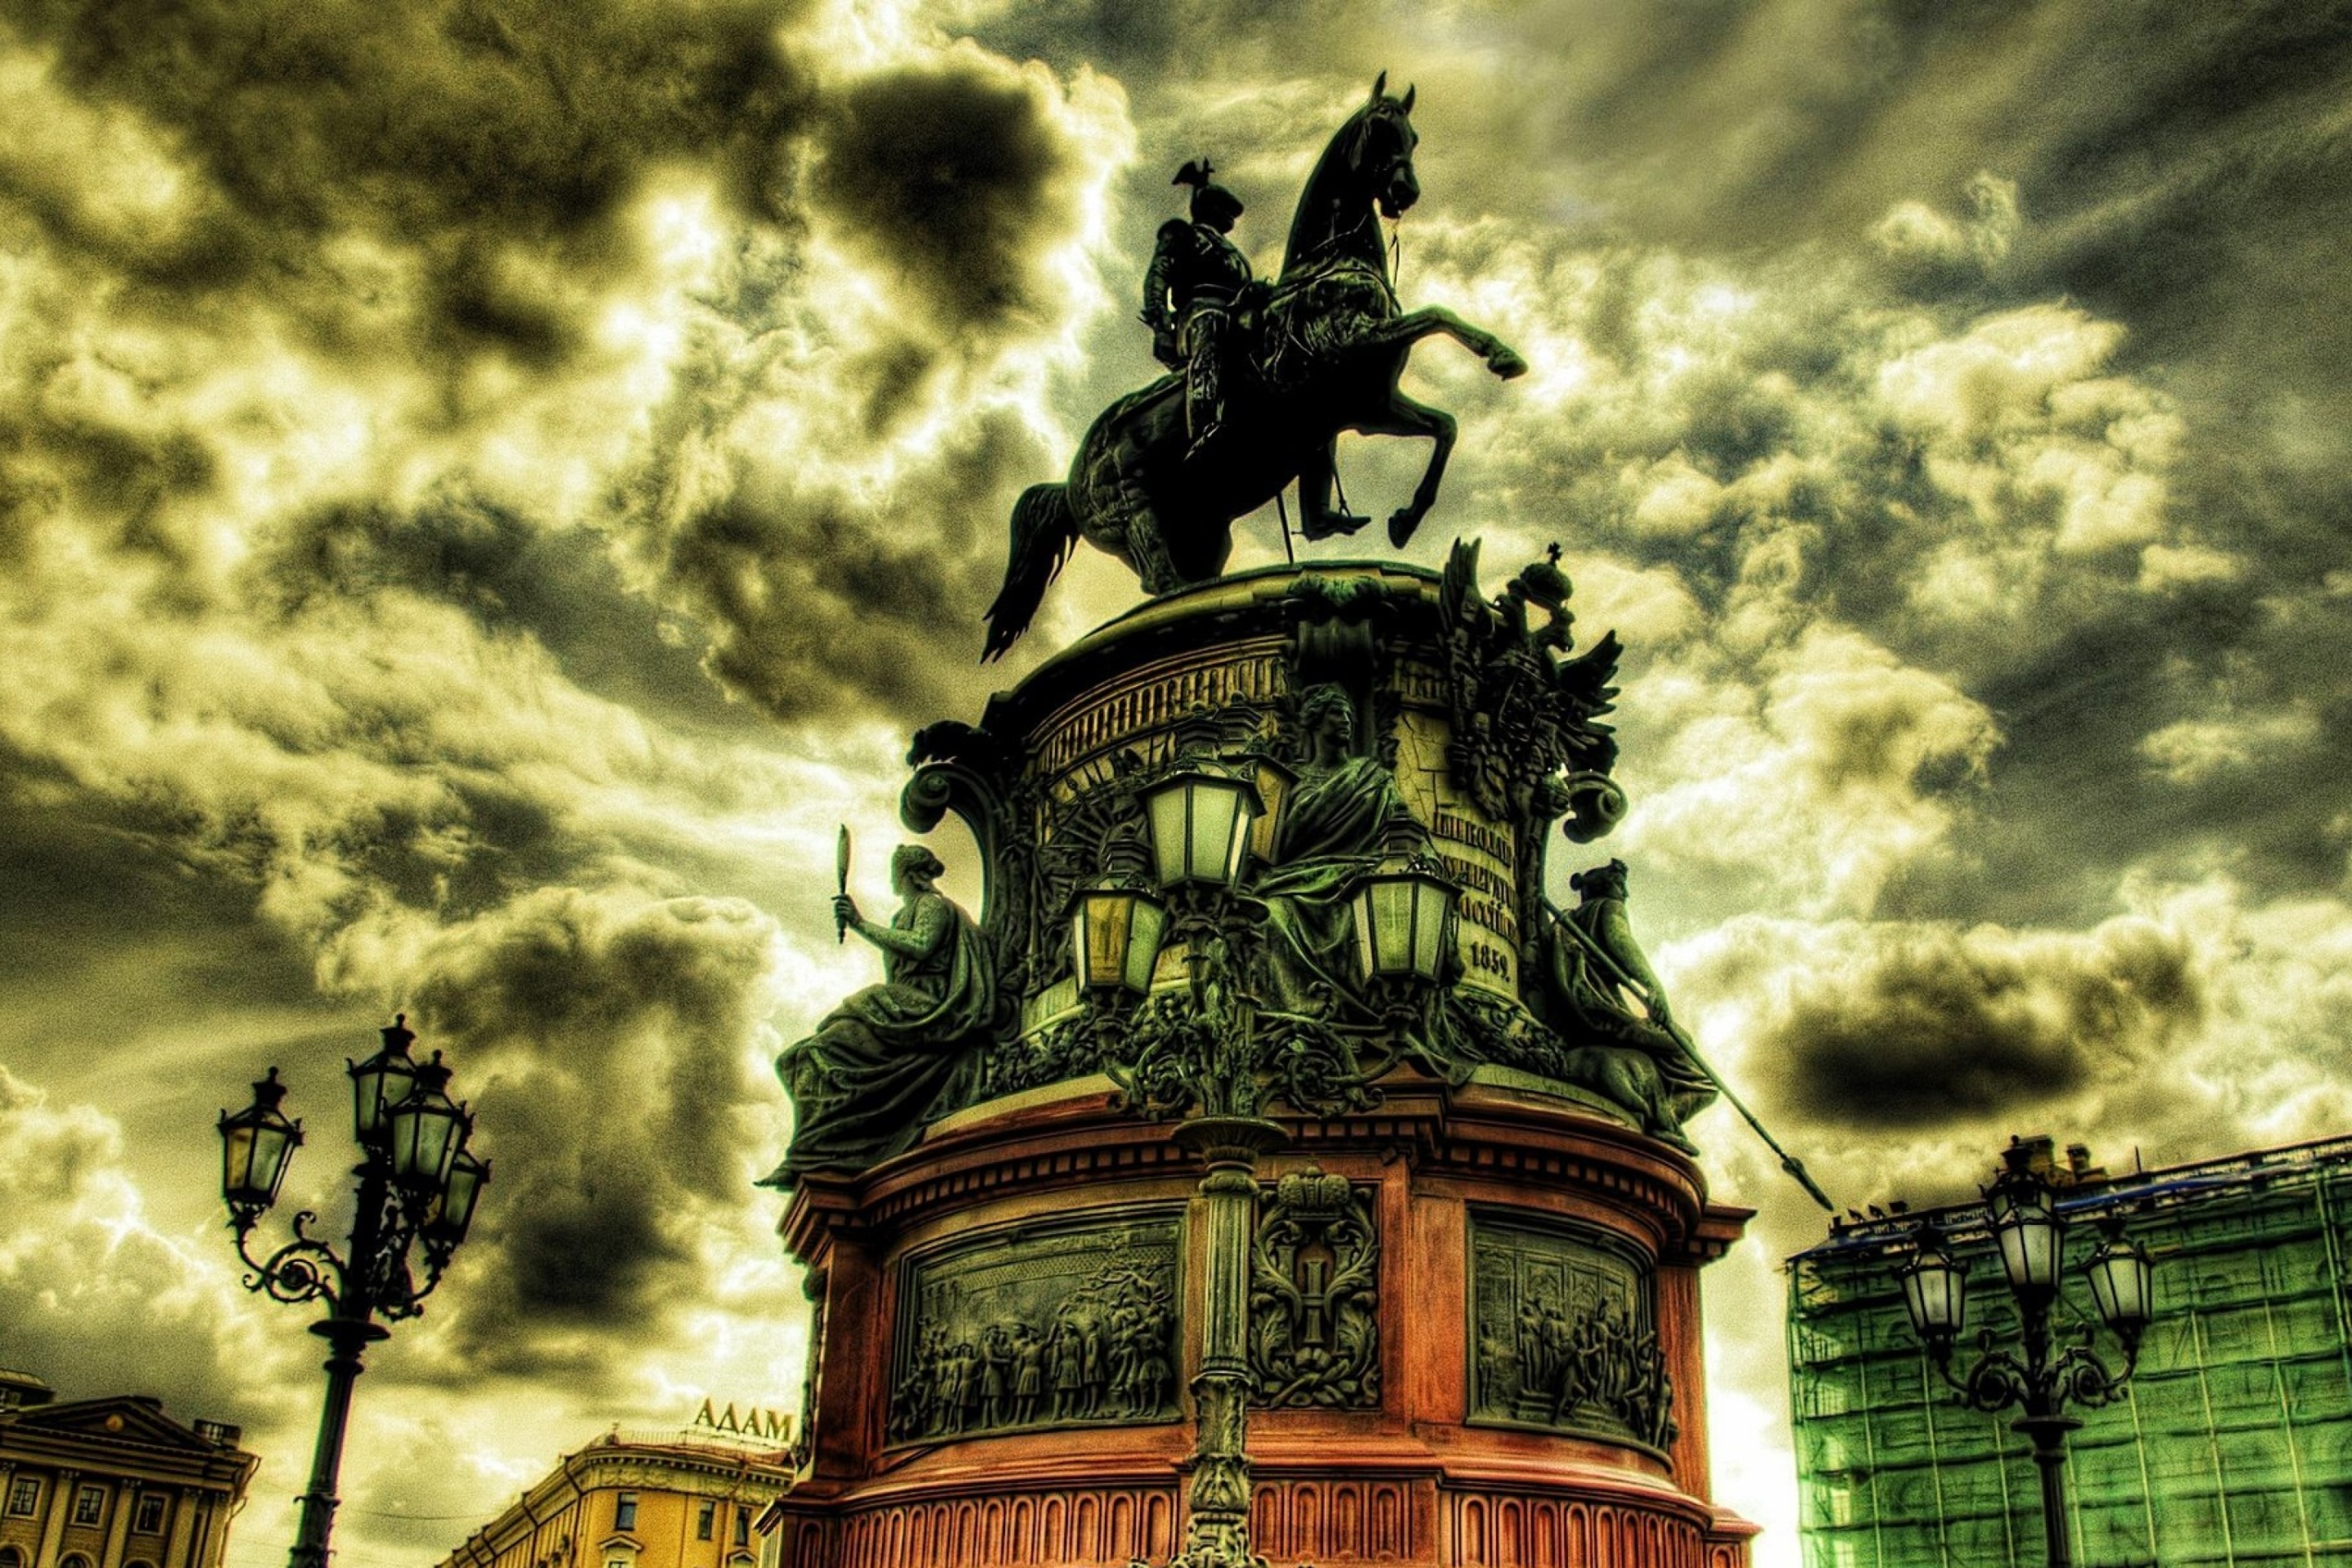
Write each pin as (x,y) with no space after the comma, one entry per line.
(1189,292)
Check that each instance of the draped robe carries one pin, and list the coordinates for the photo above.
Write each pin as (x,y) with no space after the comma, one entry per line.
(895,1056)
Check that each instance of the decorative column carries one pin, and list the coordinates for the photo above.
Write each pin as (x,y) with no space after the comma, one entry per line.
(1216,1530)
(126,1498)
(53,1529)
(176,1546)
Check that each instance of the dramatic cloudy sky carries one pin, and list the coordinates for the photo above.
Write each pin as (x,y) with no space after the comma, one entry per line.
(487,485)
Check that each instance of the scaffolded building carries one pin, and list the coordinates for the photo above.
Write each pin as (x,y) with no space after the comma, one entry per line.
(2233,1447)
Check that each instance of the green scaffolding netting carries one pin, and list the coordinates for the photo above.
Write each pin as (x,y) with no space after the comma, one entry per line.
(2233,1447)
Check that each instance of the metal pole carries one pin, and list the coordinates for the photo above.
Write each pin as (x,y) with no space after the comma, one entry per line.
(347,1340)
(1216,1528)
(2049,1435)
(348,1334)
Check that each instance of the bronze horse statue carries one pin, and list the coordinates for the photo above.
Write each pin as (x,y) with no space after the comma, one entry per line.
(1322,353)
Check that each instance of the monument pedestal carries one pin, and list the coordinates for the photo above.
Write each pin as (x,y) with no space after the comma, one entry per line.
(1498,1217)
(1275,846)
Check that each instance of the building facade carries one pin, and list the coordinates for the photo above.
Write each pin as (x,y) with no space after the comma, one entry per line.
(114,1482)
(2233,1447)
(674,1500)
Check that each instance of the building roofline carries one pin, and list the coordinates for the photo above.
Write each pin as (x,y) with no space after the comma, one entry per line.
(2164,1187)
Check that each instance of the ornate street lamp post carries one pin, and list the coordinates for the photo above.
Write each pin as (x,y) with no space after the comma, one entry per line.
(2030,1234)
(1202,818)
(418,1181)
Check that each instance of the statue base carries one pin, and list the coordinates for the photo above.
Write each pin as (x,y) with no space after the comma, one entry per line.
(1475,1332)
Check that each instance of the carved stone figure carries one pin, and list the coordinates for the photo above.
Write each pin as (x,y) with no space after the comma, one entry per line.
(1326,348)
(1599,987)
(896,1056)
(1028,1333)
(1191,293)
(1341,817)
(1562,1341)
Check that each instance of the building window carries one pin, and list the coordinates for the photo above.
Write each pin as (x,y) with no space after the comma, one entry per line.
(11,1558)
(89,1505)
(625,1511)
(150,1521)
(702,1520)
(24,1495)
(742,1527)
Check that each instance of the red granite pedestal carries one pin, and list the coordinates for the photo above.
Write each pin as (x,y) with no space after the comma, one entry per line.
(1422,1477)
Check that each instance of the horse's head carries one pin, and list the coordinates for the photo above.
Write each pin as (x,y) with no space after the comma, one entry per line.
(1379,150)
(1367,166)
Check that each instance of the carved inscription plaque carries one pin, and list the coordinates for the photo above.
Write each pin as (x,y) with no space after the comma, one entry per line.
(1478,853)
(1037,1326)
(1563,1335)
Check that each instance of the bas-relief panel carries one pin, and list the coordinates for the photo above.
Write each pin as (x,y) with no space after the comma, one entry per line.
(1030,1327)
(1563,1336)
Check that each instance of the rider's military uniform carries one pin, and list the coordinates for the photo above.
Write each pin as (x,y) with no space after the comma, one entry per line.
(1196,278)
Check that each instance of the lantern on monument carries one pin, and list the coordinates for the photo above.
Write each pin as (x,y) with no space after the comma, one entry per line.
(256,1144)
(1200,816)
(1402,910)
(1935,1292)
(2025,1223)
(1115,937)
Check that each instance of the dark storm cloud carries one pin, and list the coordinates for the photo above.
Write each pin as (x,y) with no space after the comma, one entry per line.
(603,1042)
(824,604)
(948,175)
(447,128)
(1910,1026)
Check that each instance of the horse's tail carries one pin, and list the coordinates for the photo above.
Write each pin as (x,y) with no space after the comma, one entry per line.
(1043,529)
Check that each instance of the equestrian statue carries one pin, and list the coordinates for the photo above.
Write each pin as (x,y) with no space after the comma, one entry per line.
(1266,377)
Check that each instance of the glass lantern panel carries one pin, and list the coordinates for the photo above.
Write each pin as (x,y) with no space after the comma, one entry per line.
(1954,1307)
(271,1146)
(1240,830)
(2029,1247)
(456,1208)
(1214,806)
(1150,927)
(1392,909)
(376,1087)
(1361,906)
(237,1160)
(1428,927)
(421,1144)
(1169,836)
(1915,1301)
(2119,1282)
(1102,938)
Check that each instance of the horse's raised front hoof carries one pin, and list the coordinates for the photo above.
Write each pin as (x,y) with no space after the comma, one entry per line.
(1507,363)
(1400,526)
(1331,525)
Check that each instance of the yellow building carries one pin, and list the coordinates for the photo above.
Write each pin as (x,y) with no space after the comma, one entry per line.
(670,1499)
(112,1483)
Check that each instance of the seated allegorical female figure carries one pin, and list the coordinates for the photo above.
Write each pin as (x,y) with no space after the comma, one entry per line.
(895,1056)
(1343,816)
